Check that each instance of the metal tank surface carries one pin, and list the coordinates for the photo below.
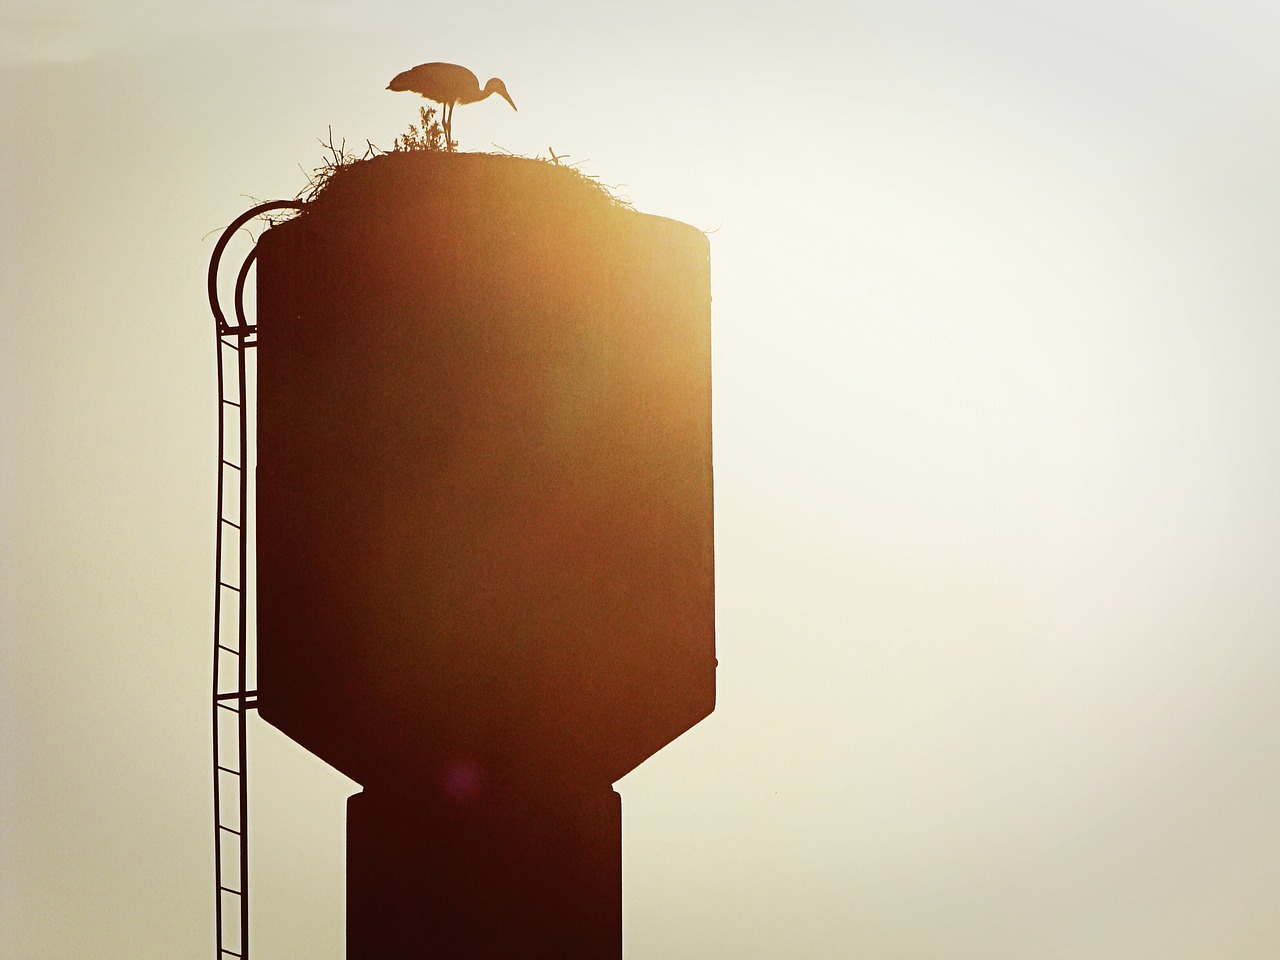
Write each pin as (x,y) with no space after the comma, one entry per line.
(484,535)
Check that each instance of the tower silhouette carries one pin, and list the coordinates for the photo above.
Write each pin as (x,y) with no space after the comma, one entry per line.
(484,536)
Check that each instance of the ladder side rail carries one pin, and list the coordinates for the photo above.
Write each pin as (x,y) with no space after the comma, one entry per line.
(242,631)
(217,652)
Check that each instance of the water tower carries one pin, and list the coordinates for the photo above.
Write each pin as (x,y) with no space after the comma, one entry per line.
(484,544)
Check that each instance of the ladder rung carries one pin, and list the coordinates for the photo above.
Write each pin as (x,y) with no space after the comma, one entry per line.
(223,646)
(230,953)
(233,466)
(229,586)
(236,694)
(229,770)
(229,523)
(236,893)
(231,403)
(229,830)
(226,706)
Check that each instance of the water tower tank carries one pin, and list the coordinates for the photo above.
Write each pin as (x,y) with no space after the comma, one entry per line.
(485,561)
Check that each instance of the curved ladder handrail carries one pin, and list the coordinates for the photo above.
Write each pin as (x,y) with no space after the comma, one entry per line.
(215,260)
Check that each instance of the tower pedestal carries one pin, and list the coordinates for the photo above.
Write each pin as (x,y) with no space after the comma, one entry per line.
(528,876)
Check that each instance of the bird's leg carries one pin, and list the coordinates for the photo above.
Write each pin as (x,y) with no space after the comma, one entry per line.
(448,125)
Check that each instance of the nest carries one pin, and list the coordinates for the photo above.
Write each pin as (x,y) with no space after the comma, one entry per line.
(419,157)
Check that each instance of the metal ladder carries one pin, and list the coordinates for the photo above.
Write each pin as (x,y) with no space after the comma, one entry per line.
(232,698)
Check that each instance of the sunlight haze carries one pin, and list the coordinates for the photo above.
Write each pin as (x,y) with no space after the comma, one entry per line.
(997,453)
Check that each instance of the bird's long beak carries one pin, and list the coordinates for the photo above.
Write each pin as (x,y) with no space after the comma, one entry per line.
(507,97)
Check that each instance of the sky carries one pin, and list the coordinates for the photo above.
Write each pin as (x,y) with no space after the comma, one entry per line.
(997,446)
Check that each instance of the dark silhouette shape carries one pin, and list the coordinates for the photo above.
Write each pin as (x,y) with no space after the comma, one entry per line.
(231,697)
(448,85)
(485,552)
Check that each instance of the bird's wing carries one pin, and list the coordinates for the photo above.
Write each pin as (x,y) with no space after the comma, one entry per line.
(444,82)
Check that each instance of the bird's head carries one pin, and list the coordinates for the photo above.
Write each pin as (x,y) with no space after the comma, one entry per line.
(497,86)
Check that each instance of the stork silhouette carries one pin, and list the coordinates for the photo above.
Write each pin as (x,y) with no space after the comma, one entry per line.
(448,85)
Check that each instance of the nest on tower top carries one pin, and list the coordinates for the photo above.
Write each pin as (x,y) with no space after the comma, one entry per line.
(404,176)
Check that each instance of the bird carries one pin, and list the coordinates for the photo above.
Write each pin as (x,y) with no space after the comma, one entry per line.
(448,85)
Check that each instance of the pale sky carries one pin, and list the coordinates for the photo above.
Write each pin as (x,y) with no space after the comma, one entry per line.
(997,426)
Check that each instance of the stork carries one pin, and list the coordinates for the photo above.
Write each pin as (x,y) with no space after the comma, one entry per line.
(448,85)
